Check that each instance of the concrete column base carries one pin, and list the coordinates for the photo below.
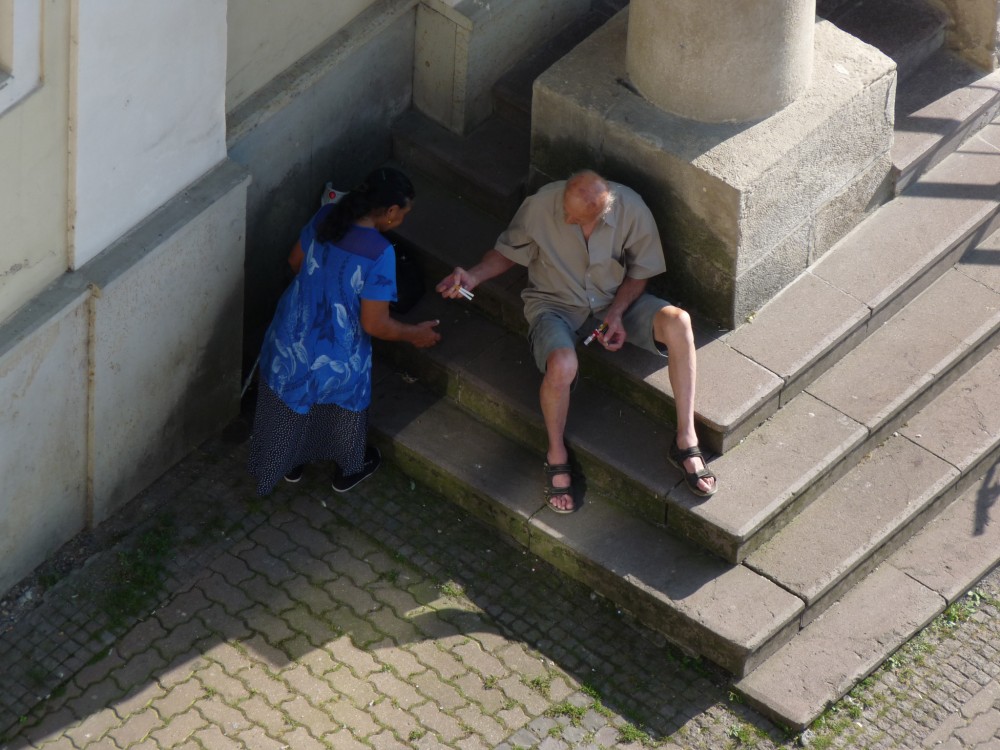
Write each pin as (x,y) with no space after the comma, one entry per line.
(463,47)
(742,208)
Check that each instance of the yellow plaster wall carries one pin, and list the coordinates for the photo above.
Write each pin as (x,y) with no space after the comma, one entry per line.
(266,36)
(34,173)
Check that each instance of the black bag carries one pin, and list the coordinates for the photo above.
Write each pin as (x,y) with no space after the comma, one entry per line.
(409,278)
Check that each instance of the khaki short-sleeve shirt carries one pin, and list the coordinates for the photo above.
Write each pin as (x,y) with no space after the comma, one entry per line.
(569,274)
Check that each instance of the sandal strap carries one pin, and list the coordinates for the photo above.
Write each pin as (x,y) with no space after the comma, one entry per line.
(553,469)
(683,454)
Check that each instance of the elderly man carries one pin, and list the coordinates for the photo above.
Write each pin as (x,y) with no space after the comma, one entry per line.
(590,246)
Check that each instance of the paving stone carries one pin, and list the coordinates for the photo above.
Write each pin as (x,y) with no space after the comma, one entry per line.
(484,725)
(490,699)
(400,722)
(260,681)
(49,728)
(138,698)
(179,728)
(229,595)
(216,739)
(135,727)
(360,663)
(436,720)
(225,717)
(257,739)
(399,692)
(473,656)
(262,714)
(401,661)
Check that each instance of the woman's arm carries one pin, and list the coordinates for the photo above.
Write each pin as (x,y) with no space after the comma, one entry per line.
(378,323)
(296,257)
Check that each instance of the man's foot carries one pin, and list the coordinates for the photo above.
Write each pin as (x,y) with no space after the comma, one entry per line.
(373,459)
(559,495)
(699,478)
(295,474)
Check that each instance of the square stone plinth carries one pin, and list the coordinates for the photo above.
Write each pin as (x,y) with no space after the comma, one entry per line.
(742,208)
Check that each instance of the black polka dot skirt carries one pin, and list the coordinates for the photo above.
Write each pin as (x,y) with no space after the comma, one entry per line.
(283,439)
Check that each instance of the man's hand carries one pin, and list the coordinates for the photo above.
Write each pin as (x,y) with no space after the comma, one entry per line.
(458,279)
(614,338)
(492,264)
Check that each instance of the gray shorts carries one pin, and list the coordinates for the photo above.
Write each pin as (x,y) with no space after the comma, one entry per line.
(552,330)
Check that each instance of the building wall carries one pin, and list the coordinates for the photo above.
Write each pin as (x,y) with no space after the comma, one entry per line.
(122,233)
(975,31)
(147,117)
(266,37)
(34,129)
(328,117)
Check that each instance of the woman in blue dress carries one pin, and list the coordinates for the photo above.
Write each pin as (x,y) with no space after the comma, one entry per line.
(316,359)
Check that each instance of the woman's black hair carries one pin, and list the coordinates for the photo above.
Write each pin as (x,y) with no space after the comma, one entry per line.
(382,188)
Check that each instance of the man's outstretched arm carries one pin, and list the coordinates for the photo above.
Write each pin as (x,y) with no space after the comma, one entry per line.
(492,264)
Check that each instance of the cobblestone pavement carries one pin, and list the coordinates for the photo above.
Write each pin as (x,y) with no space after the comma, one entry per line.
(387,618)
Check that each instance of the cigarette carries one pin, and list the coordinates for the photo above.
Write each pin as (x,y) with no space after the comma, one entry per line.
(602,328)
(465,292)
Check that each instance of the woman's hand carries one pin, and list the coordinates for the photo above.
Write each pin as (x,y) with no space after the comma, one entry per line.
(378,323)
(424,335)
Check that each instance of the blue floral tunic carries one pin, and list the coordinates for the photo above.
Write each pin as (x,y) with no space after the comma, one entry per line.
(315,351)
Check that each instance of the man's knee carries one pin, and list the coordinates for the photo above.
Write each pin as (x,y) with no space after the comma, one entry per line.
(561,366)
(672,322)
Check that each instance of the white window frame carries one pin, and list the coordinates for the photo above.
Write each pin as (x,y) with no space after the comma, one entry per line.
(20,50)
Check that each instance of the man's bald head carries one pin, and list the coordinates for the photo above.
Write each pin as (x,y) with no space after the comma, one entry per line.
(587,197)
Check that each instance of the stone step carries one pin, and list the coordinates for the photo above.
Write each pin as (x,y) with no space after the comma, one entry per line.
(889,606)
(938,108)
(726,613)
(734,393)
(488,167)
(885,262)
(908,31)
(820,434)
(489,372)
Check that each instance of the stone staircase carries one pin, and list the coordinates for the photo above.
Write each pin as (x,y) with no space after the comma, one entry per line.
(856,417)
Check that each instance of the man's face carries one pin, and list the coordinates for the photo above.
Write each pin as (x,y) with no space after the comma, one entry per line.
(578,211)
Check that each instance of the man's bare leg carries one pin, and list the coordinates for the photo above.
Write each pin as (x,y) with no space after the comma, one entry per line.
(560,371)
(672,327)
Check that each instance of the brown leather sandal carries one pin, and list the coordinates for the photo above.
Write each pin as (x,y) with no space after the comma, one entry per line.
(677,456)
(551,470)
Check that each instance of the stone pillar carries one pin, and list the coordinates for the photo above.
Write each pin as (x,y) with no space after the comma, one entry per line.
(744,206)
(721,60)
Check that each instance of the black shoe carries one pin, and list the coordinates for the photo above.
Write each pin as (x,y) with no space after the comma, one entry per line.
(373,459)
(295,474)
